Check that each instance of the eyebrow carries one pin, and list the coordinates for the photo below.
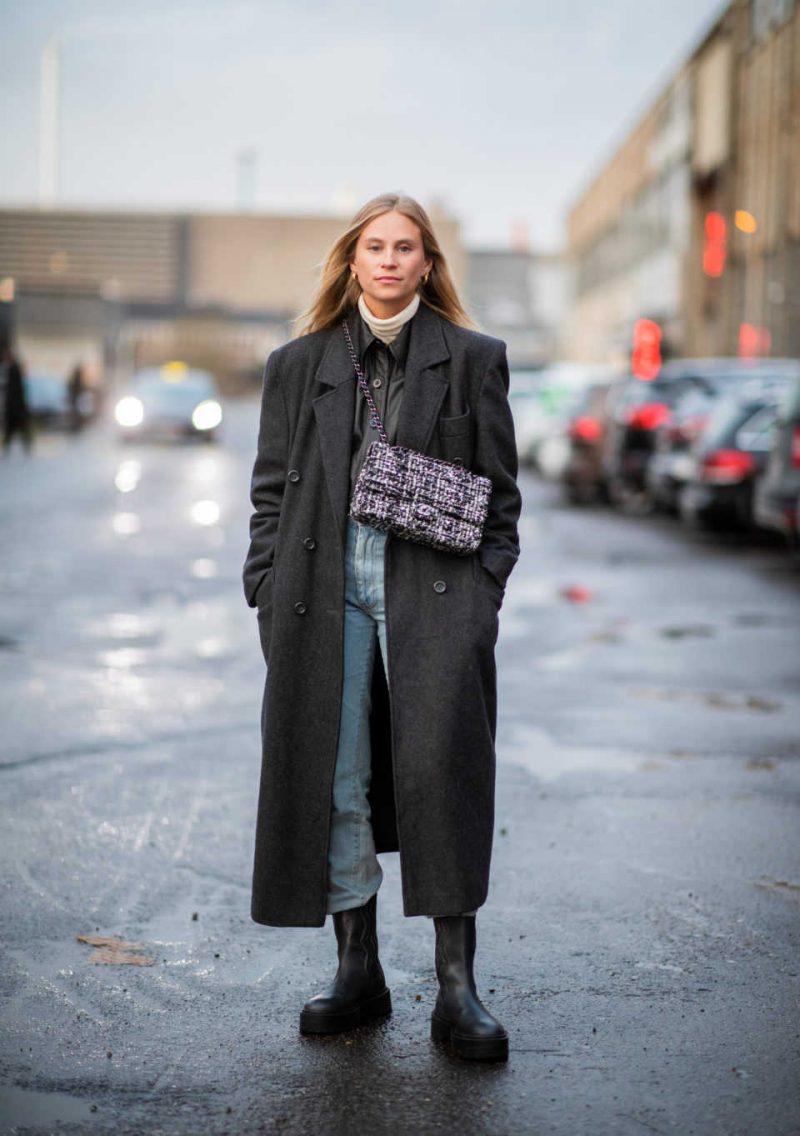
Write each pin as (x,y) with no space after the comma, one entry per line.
(399,241)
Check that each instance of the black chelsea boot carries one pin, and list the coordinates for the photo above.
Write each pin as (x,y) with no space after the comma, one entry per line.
(358,993)
(459,1017)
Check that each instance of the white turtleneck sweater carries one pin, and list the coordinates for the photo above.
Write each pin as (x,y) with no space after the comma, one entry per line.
(387,330)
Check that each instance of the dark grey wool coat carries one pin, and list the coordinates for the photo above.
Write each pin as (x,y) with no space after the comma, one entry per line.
(432,792)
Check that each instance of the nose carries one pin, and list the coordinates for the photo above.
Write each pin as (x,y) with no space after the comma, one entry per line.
(388,259)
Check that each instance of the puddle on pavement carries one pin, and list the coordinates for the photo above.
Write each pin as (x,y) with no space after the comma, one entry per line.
(692,631)
(127,625)
(212,648)
(536,752)
(124,657)
(126,524)
(763,619)
(759,764)
(127,476)
(751,702)
(204,568)
(31,1109)
(784,886)
(205,512)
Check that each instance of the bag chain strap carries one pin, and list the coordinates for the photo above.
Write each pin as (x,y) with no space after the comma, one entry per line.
(375,418)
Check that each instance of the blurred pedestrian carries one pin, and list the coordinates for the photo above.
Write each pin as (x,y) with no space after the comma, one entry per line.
(16,413)
(342,606)
(76,389)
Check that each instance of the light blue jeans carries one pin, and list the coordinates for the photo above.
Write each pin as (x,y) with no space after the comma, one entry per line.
(354,874)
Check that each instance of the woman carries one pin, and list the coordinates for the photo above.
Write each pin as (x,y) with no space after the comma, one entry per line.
(341,607)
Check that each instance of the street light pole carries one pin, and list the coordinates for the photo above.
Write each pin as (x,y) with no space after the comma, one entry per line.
(48,126)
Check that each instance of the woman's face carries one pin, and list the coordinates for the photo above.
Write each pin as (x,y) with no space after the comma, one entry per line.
(389,261)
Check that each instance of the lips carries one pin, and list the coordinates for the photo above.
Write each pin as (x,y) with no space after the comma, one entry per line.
(388,279)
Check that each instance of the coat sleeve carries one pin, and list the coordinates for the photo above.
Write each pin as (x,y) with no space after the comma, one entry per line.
(496,458)
(268,481)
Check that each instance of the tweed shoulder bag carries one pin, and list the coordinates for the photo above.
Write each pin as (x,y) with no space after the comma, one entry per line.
(413,496)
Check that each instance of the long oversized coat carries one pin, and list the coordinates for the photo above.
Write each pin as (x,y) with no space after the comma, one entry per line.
(432,794)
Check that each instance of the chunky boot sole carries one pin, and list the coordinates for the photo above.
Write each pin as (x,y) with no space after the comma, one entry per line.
(470,1048)
(378,1006)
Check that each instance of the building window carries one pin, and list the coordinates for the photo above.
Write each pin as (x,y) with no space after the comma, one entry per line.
(768,14)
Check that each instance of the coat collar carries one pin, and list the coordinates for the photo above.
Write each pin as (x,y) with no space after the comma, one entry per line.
(427,347)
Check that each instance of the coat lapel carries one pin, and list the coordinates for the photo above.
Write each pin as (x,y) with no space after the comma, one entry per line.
(425,383)
(423,392)
(334,410)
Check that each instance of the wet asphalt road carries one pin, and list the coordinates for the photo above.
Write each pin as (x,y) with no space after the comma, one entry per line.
(641,938)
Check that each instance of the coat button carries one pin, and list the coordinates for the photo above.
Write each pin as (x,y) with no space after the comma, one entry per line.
(458,461)
(440,587)
(377,382)
(310,543)
(294,475)
(300,608)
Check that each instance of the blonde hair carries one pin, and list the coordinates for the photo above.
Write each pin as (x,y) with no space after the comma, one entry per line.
(338,291)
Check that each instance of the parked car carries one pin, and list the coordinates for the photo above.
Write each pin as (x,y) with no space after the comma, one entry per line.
(777,495)
(702,382)
(173,401)
(640,408)
(542,409)
(730,455)
(582,478)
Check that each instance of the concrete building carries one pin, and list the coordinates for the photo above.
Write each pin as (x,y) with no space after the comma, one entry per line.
(694,222)
(120,289)
(520,297)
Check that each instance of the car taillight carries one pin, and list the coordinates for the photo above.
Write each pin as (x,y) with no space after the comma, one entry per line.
(796,447)
(585,429)
(726,467)
(648,417)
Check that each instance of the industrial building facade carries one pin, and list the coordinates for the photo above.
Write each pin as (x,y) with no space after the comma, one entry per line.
(120,290)
(694,223)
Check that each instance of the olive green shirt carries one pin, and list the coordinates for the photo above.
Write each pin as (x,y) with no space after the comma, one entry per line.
(384,368)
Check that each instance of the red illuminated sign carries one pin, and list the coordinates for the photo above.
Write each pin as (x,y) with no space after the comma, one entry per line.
(754,342)
(646,354)
(715,245)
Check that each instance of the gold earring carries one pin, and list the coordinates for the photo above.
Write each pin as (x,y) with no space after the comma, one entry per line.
(425,279)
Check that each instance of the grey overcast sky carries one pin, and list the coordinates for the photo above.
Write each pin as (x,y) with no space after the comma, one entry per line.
(500,109)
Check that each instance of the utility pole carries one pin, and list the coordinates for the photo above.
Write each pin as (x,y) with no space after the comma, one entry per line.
(246,178)
(48,126)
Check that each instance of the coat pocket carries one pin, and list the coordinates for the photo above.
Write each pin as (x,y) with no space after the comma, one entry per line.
(263,595)
(264,604)
(455,439)
(452,427)
(484,579)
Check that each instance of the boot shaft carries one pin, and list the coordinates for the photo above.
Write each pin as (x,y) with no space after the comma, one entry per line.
(455,951)
(357,940)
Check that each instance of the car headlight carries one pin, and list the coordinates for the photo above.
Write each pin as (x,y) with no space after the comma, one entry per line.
(129,411)
(207,415)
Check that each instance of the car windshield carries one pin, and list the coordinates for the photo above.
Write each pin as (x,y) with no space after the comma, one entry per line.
(190,386)
(732,412)
(640,391)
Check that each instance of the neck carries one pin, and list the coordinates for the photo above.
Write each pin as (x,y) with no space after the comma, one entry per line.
(387,328)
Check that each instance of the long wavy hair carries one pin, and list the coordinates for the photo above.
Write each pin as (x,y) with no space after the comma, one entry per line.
(338,291)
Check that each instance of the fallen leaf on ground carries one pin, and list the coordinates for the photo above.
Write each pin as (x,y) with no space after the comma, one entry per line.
(110,951)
